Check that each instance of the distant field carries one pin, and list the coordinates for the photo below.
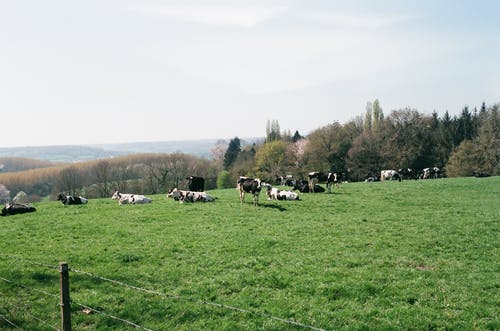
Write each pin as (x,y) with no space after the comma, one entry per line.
(415,255)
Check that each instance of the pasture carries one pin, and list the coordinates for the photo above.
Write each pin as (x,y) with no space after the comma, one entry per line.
(415,255)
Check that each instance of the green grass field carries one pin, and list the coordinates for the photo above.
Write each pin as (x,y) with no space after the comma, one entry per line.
(415,255)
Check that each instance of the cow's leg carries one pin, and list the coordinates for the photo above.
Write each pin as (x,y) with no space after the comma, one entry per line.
(255,198)
(242,196)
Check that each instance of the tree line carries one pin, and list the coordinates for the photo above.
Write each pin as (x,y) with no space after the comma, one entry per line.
(406,138)
(360,148)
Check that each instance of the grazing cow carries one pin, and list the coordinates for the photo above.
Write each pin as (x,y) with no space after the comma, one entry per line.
(127,198)
(407,173)
(277,194)
(71,200)
(428,173)
(333,178)
(249,185)
(196,184)
(17,208)
(303,187)
(189,196)
(389,175)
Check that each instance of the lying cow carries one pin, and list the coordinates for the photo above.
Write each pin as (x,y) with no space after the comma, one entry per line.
(274,193)
(189,196)
(389,175)
(303,187)
(249,185)
(127,198)
(71,199)
(17,208)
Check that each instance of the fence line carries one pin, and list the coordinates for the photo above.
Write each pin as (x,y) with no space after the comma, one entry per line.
(9,322)
(24,309)
(165,295)
(78,304)
(209,303)
(30,261)
(111,316)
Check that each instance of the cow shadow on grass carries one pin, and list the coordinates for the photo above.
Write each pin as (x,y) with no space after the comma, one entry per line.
(273,206)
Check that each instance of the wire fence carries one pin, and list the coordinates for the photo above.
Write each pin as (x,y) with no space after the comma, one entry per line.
(8,320)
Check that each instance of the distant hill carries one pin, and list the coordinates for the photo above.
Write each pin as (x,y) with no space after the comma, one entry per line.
(76,153)
(57,153)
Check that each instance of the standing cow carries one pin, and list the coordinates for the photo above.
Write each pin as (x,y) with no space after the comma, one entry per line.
(249,185)
(196,184)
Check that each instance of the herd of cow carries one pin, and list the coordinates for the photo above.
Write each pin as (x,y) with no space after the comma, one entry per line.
(407,173)
(244,185)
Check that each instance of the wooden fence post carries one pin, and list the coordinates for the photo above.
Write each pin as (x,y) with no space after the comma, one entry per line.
(65,305)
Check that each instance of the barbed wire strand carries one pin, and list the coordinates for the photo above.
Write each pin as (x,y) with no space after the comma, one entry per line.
(35,290)
(76,303)
(30,261)
(29,288)
(111,316)
(209,303)
(34,317)
(9,322)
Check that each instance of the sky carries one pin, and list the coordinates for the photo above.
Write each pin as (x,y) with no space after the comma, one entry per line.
(114,71)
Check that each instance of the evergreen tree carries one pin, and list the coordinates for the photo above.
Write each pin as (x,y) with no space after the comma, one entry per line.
(296,136)
(232,152)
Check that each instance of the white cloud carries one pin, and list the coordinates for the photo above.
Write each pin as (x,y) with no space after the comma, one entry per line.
(243,17)
(352,21)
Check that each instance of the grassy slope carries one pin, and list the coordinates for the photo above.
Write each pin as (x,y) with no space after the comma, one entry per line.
(411,255)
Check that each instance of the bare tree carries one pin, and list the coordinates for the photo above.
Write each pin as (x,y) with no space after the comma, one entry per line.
(70,180)
(103,177)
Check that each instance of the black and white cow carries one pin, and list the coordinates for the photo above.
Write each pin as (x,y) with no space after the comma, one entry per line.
(196,184)
(428,173)
(274,193)
(286,181)
(249,185)
(17,208)
(330,178)
(189,196)
(389,175)
(71,200)
(130,199)
(407,173)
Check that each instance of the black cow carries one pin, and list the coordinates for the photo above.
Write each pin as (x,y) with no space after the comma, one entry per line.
(196,184)
(249,185)
(17,208)
(71,200)
(407,173)
(303,187)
